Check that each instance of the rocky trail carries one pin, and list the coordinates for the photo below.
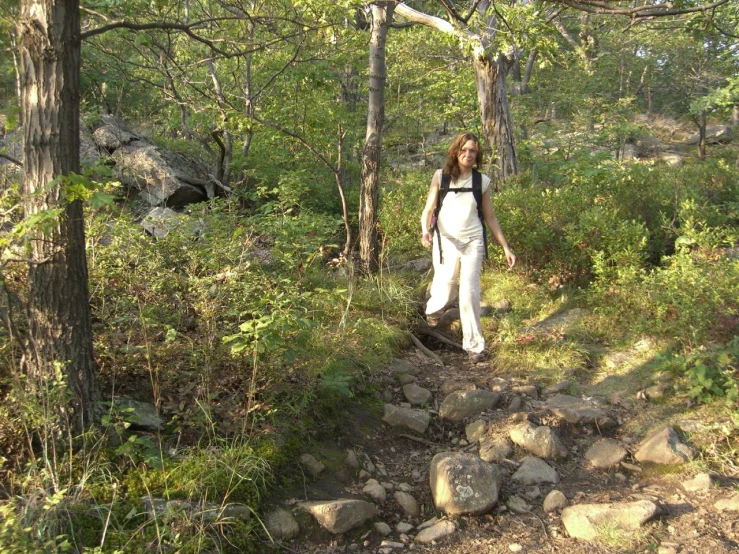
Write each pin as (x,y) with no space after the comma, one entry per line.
(464,460)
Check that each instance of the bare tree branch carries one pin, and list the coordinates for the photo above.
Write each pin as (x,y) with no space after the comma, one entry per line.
(11,159)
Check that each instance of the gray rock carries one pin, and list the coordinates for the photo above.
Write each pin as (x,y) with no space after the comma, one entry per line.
(526,390)
(401,366)
(141,415)
(517,505)
(475,430)
(495,450)
(375,490)
(159,222)
(515,404)
(461,404)
(605,453)
(436,532)
(562,386)
(560,321)
(392,545)
(582,521)
(382,528)
(281,525)
(448,387)
(418,396)
(340,516)
(404,527)
(428,523)
(415,420)
(351,459)
(730,504)
(314,467)
(699,483)
(579,411)
(498,384)
(406,379)
(407,503)
(541,441)
(534,470)
(554,501)
(664,447)
(463,483)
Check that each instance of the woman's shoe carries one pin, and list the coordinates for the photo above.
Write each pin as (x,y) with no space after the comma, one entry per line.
(477,357)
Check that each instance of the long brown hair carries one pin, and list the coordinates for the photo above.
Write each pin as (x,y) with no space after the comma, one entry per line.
(452,163)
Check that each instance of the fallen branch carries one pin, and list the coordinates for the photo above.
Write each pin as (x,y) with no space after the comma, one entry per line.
(425,350)
(429,332)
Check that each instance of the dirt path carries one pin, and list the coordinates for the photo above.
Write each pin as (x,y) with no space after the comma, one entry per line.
(689,522)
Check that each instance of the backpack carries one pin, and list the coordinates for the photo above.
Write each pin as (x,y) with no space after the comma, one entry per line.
(476,190)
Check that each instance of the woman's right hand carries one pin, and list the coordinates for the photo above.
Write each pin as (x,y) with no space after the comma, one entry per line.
(426,240)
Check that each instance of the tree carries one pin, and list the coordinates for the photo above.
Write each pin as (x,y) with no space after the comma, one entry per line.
(60,330)
(382,15)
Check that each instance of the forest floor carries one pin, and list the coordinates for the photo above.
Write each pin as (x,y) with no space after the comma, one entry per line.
(689,522)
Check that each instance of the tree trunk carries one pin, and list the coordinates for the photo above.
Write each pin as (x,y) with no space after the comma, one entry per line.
(382,15)
(700,122)
(496,118)
(60,331)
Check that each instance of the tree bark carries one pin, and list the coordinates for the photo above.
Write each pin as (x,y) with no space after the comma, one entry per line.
(60,330)
(490,75)
(382,15)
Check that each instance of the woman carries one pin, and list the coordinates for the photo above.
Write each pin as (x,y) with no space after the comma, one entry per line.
(459,247)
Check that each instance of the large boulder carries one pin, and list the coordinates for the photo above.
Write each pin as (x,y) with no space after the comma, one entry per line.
(162,177)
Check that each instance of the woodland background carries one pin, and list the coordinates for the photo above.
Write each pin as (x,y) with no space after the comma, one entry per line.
(610,132)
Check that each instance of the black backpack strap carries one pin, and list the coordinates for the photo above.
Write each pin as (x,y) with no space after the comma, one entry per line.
(477,193)
(444,183)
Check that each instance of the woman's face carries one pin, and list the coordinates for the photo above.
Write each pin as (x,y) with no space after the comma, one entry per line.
(467,155)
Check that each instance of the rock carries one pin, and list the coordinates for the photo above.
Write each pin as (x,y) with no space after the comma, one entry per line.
(415,420)
(418,396)
(281,525)
(351,459)
(314,467)
(428,523)
(498,384)
(558,322)
(401,366)
(375,490)
(554,501)
(532,493)
(605,453)
(730,504)
(541,441)
(420,265)
(715,134)
(664,447)
(407,503)
(393,545)
(448,387)
(583,520)
(382,528)
(517,505)
(436,532)
(534,470)
(562,386)
(515,404)
(159,222)
(502,306)
(406,379)
(579,411)
(141,415)
(673,159)
(340,516)
(475,430)
(699,483)
(461,404)
(404,527)
(463,483)
(526,390)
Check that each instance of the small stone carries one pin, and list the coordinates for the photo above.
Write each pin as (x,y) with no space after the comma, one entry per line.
(730,504)
(405,379)
(498,384)
(562,386)
(554,501)
(364,475)
(404,527)
(605,453)
(517,505)
(666,550)
(351,459)
(428,523)
(495,450)
(281,524)
(375,490)
(436,532)
(526,390)
(515,404)
(382,528)
(387,486)
(314,467)
(699,483)
(532,493)
(534,470)
(515,547)
(475,430)
(621,477)
(664,447)
(407,503)
(392,544)
(405,487)
(418,396)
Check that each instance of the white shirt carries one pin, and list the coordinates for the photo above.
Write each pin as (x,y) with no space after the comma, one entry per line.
(458,216)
